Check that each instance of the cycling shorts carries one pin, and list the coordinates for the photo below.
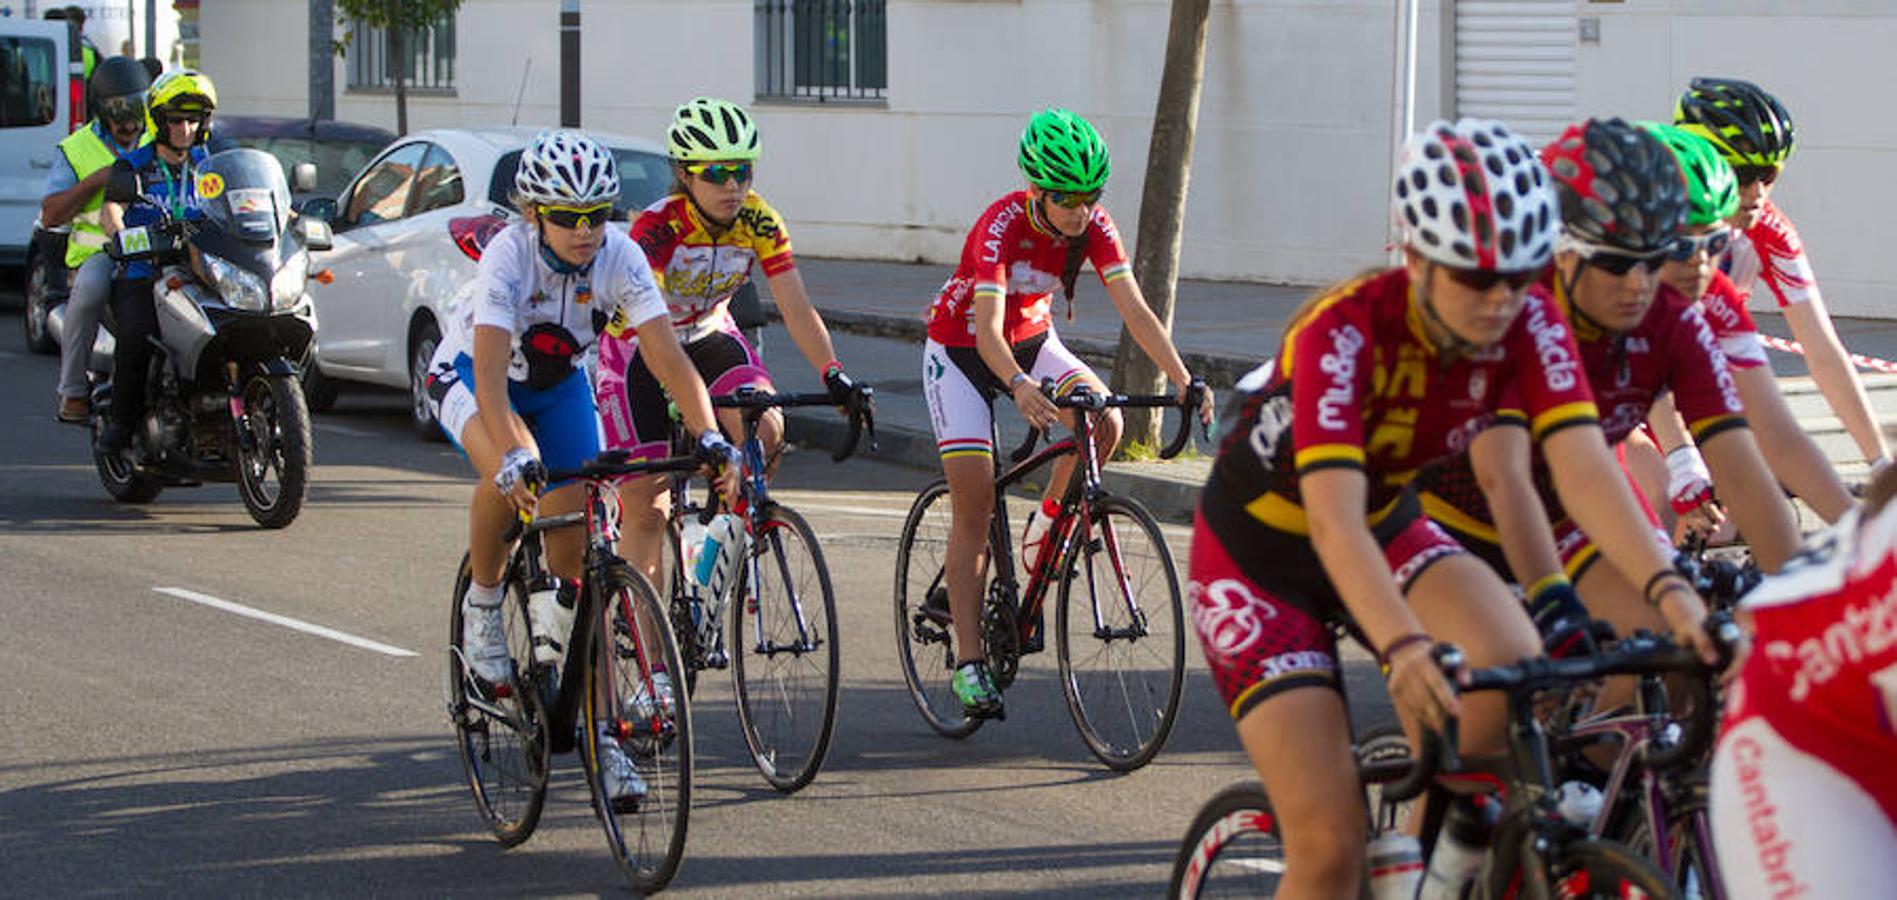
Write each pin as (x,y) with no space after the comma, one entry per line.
(962,391)
(1266,623)
(634,407)
(561,418)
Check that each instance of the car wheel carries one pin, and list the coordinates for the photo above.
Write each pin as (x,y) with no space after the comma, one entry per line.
(421,350)
(33,312)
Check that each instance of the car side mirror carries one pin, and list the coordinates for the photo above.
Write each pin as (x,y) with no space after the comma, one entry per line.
(303,177)
(315,233)
(122,186)
(321,209)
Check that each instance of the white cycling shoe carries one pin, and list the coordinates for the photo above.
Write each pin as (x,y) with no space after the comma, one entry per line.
(484,643)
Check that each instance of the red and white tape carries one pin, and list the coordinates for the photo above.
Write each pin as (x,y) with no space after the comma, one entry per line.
(1862,362)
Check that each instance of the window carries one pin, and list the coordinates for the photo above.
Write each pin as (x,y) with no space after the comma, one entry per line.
(29,83)
(381,194)
(429,53)
(822,49)
(438,184)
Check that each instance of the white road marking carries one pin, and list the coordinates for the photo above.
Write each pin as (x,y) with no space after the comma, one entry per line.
(285,621)
(344,429)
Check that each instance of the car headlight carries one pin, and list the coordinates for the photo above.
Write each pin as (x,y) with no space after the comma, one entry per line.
(239,287)
(287,287)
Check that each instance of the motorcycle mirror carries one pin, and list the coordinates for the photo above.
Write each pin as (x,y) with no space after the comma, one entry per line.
(315,233)
(303,177)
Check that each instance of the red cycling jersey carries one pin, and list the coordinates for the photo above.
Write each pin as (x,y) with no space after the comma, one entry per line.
(1358,383)
(1672,348)
(1724,307)
(1011,255)
(1770,251)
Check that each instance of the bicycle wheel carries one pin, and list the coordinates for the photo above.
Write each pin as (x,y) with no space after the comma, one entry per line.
(633,644)
(924,644)
(1232,848)
(502,732)
(1606,870)
(784,651)
(1120,634)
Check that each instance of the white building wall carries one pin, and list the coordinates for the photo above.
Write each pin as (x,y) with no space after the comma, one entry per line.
(1294,140)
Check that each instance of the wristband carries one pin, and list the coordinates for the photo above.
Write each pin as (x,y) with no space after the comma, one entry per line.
(1390,649)
(1679,581)
(831,366)
(1542,584)
(1015,382)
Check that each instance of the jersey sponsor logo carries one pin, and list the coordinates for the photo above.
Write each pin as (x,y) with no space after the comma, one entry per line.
(997,228)
(699,275)
(1558,365)
(1414,565)
(654,240)
(1771,843)
(1293,662)
(1639,344)
(1274,421)
(1229,616)
(762,225)
(1863,631)
(1722,373)
(1459,438)
(1023,278)
(1341,365)
(1623,418)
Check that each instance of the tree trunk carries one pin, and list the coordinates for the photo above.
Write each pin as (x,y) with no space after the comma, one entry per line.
(398,58)
(1163,207)
(322,104)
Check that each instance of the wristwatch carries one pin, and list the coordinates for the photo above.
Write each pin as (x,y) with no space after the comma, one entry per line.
(1015,382)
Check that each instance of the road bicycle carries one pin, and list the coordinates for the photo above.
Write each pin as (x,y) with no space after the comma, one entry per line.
(1233,847)
(610,685)
(1119,626)
(783,623)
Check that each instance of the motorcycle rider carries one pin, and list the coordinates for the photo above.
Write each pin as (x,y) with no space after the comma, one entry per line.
(181,103)
(74,194)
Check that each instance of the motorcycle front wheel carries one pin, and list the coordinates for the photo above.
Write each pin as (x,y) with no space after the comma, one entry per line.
(273,449)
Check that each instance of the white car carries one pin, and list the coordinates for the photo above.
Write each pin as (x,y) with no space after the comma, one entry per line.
(407,231)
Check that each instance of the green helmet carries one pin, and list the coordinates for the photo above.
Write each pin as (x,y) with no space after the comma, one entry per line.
(1060,151)
(706,129)
(1712,190)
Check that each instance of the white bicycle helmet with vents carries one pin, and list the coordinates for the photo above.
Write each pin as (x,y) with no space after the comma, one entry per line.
(566,168)
(1473,195)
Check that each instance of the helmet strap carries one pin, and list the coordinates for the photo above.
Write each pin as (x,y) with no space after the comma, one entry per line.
(1076,252)
(1452,346)
(1575,311)
(553,260)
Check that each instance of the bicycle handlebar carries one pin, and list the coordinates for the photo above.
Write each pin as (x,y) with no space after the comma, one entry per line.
(861,405)
(607,465)
(1084,398)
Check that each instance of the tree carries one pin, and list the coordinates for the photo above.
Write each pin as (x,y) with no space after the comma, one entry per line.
(399,19)
(1163,207)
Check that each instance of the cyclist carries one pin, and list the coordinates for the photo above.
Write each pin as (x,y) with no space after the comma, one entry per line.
(180,103)
(74,194)
(508,388)
(1309,518)
(1804,798)
(1754,132)
(991,333)
(702,240)
(1623,201)
(1691,269)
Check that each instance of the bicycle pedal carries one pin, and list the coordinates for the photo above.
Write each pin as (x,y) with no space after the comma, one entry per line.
(718,659)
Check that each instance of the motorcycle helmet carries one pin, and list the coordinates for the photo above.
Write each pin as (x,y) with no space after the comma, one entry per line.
(181,92)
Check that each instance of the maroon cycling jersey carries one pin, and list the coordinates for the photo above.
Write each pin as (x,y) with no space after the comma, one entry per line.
(1014,257)
(1672,348)
(1358,383)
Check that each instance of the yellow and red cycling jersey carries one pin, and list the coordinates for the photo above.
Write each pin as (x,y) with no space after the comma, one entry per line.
(698,270)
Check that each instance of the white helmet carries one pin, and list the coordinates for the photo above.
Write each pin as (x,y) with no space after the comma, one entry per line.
(566,167)
(1473,195)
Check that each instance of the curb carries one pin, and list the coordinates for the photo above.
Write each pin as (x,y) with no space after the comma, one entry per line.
(1168,499)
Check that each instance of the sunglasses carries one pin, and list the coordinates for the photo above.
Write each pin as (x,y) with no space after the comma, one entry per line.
(1755,174)
(180,118)
(1482,280)
(571,217)
(122,110)
(1072,199)
(1617,264)
(721,173)
(1712,244)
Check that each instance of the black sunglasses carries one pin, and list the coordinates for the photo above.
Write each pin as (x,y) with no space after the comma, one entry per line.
(1481,280)
(1618,264)
(1685,247)
(1755,174)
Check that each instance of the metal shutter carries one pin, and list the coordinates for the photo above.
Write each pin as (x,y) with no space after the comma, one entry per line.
(1515,61)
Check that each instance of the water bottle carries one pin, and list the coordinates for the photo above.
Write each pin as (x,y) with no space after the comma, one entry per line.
(552,619)
(1460,849)
(717,563)
(691,541)
(1396,866)
(1579,803)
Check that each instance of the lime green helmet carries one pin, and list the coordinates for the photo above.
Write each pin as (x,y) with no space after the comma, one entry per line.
(706,129)
(1712,190)
(1060,151)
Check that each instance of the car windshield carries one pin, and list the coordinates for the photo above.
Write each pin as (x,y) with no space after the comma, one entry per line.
(643,178)
(336,161)
(243,190)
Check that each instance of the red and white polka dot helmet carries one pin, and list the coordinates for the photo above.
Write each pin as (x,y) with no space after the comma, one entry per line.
(1473,195)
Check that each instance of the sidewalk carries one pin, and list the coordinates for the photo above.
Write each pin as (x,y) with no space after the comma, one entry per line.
(1223,329)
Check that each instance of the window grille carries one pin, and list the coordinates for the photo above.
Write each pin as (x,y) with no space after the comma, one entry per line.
(429,53)
(822,49)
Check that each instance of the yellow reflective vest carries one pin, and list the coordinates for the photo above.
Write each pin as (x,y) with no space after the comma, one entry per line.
(87,153)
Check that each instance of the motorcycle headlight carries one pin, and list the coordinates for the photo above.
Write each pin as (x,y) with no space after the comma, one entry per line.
(239,287)
(286,289)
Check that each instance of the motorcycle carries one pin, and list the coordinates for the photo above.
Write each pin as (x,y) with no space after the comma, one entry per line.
(224,401)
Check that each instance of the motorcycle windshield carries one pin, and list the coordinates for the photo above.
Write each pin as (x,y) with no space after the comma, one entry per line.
(245,195)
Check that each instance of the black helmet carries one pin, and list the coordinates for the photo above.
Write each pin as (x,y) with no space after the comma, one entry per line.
(119,76)
(1620,187)
(1749,126)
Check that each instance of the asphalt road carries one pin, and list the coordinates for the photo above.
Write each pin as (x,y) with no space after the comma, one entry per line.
(157,745)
